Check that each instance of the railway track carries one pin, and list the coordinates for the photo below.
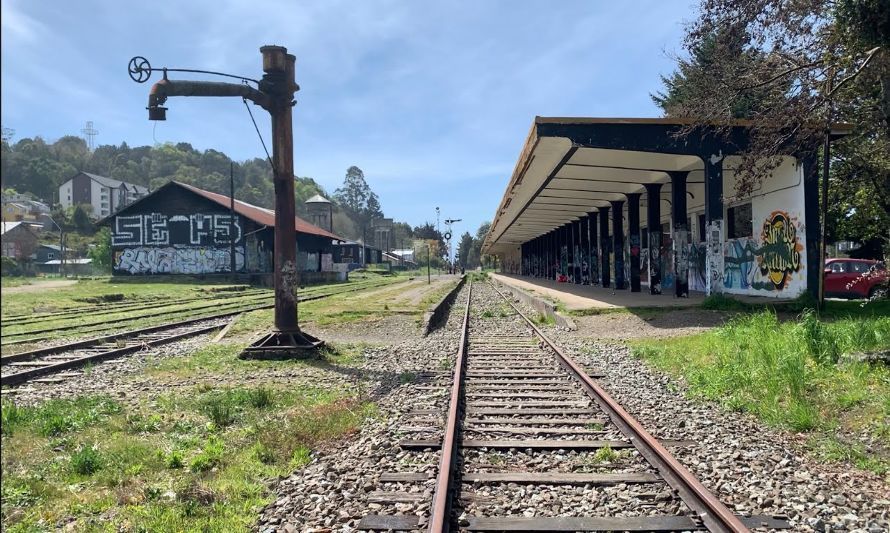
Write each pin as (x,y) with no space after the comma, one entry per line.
(34,365)
(527,424)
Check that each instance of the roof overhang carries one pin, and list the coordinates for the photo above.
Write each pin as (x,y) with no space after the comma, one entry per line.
(571,167)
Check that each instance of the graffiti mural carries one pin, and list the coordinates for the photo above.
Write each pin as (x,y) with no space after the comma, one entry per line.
(698,274)
(681,260)
(654,260)
(176,260)
(739,270)
(644,265)
(667,262)
(156,229)
(577,267)
(594,265)
(779,255)
(715,254)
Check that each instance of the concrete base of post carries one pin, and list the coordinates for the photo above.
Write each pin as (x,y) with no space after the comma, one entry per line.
(283,345)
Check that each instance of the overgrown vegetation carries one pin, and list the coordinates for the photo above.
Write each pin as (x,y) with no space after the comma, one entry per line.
(798,374)
(192,461)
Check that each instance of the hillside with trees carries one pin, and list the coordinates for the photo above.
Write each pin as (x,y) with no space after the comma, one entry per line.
(37,167)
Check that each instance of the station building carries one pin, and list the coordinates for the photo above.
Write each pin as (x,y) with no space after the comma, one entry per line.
(647,204)
(181,229)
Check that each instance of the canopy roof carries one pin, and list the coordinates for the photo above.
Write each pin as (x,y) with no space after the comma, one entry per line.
(570,167)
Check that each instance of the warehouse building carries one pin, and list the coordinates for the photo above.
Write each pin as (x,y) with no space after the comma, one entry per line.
(645,203)
(181,229)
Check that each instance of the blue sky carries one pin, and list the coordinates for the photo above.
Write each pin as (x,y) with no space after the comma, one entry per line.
(433,100)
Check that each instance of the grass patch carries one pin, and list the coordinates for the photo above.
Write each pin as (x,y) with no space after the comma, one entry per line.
(789,373)
(543,320)
(165,465)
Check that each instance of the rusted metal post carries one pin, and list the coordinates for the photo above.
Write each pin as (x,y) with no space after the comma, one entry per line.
(278,66)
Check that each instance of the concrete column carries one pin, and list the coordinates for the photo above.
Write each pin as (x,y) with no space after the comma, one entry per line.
(653,226)
(594,248)
(633,221)
(604,246)
(618,242)
(714,221)
(584,226)
(680,233)
(810,167)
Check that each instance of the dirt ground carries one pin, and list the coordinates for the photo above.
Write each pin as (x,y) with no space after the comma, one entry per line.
(39,286)
(648,324)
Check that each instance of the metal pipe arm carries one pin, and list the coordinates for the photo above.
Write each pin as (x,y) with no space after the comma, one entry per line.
(166,88)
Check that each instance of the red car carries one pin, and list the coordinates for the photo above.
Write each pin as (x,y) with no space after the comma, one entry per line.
(854,278)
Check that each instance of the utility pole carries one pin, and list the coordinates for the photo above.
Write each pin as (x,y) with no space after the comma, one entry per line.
(274,93)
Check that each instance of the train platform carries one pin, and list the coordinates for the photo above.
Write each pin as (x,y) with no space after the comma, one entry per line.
(581,297)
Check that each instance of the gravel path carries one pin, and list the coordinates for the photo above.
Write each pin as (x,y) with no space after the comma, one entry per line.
(752,468)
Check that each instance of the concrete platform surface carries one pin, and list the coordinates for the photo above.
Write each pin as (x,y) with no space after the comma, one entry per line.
(577,297)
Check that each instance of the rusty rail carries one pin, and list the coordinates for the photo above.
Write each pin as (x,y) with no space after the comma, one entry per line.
(440,513)
(715,516)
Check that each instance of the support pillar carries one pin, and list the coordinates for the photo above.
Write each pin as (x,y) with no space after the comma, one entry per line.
(633,221)
(584,226)
(810,165)
(576,252)
(594,249)
(618,242)
(604,246)
(680,233)
(714,222)
(653,224)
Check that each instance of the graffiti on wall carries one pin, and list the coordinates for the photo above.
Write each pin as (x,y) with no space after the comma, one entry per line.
(779,255)
(564,260)
(714,252)
(176,260)
(654,260)
(681,260)
(156,229)
(698,274)
(767,264)
(739,271)
(667,262)
(594,265)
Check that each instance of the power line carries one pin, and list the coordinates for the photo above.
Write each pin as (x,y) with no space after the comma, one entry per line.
(260,135)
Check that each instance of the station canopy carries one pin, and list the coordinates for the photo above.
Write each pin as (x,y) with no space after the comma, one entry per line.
(570,167)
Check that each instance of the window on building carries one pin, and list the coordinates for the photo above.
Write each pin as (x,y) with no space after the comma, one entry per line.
(50,255)
(738,222)
(701,228)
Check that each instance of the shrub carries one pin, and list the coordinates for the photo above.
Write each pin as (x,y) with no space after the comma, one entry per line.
(12,415)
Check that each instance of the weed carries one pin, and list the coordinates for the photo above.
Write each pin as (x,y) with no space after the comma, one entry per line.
(260,397)
(12,415)
(407,377)
(721,302)
(219,411)
(301,457)
(543,320)
(595,426)
(488,313)
(137,423)
(86,461)
(210,457)
(174,460)
(605,455)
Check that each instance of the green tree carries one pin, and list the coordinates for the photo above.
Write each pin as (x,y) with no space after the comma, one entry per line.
(794,68)
(100,252)
(80,218)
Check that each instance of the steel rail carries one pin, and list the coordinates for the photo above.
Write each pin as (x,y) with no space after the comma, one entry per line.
(712,512)
(440,512)
(27,375)
(120,307)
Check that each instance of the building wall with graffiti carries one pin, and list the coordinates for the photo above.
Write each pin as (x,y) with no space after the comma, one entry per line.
(159,243)
(771,262)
